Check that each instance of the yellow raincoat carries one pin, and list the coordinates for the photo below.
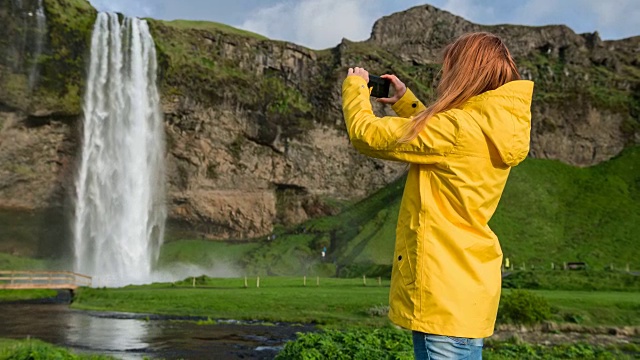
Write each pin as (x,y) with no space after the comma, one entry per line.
(446,270)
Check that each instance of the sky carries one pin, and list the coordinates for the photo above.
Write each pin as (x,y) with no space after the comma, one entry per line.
(320,24)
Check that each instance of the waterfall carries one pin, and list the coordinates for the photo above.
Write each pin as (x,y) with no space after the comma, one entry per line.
(26,41)
(41,23)
(119,210)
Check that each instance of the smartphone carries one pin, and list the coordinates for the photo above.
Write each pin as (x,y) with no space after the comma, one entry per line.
(380,86)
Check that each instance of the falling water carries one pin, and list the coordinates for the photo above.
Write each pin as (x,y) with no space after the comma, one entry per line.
(119,211)
(41,23)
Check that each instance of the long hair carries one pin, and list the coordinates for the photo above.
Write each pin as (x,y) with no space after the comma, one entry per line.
(473,64)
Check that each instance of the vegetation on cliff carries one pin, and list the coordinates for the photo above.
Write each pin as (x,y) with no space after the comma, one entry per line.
(61,64)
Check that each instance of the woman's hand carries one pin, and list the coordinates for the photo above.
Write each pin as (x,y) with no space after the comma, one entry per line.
(399,86)
(359,72)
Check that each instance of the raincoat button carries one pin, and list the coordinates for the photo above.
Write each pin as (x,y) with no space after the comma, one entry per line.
(414,105)
(399,257)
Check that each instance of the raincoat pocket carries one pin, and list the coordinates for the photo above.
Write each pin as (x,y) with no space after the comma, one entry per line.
(405,261)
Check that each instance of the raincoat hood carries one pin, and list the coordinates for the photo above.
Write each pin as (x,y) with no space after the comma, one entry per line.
(504,115)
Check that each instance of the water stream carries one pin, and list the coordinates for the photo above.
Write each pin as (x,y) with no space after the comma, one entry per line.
(132,336)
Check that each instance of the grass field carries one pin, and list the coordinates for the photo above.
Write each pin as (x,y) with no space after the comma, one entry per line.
(336,302)
(212,26)
(596,307)
(11,262)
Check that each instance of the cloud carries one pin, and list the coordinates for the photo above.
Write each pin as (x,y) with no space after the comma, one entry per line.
(317,24)
(127,7)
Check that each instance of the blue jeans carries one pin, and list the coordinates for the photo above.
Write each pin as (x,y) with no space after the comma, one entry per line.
(439,347)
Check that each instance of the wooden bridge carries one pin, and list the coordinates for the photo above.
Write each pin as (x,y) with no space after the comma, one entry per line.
(42,280)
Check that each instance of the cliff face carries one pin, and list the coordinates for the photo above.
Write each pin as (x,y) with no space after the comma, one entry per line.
(254,127)
(41,83)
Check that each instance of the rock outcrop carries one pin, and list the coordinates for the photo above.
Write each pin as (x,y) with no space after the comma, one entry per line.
(255,135)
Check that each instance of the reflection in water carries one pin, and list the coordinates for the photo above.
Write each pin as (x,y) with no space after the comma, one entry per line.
(104,334)
(130,336)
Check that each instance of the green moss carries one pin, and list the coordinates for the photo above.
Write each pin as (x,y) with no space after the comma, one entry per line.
(70,23)
(614,99)
(190,67)
(16,90)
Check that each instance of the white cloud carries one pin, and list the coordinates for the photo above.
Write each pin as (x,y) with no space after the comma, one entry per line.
(127,7)
(317,24)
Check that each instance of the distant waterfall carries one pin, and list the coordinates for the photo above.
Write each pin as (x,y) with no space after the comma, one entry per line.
(41,24)
(26,40)
(119,210)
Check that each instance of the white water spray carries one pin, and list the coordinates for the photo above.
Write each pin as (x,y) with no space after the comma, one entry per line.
(120,211)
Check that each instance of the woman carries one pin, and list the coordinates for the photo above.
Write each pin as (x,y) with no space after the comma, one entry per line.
(445,283)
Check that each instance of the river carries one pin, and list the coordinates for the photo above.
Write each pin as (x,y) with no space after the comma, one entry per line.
(134,336)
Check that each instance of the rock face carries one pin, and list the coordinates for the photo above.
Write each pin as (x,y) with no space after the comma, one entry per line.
(254,127)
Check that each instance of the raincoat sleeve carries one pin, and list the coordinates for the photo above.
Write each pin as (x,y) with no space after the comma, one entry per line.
(408,105)
(376,136)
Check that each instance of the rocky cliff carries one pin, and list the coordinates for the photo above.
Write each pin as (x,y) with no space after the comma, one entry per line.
(254,128)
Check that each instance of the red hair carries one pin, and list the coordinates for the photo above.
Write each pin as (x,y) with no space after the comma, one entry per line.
(473,64)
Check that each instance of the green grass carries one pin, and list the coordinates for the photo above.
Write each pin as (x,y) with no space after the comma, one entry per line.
(11,262)
(598,280)
(213,27)
(552,212)
(592,308)
(31,349)
(203,253)
(336,302)
(20,295)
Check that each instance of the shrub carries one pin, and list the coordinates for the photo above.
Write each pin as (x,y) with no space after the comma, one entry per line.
(386,343)
(523,307)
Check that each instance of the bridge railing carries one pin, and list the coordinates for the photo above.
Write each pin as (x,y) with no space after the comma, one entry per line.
(27,279)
